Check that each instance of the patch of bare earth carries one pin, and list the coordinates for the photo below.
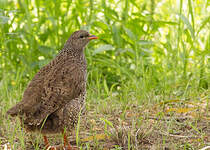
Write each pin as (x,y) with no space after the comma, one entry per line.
(162,126)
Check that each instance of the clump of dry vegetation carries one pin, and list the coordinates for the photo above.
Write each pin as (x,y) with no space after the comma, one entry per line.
(148,80)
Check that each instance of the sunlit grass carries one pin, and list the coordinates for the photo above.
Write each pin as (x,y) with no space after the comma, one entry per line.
(149,53)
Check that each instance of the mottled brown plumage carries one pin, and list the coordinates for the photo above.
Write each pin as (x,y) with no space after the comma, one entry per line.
(56,94)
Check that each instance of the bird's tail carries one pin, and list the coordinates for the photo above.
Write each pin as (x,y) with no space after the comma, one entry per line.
(14,111)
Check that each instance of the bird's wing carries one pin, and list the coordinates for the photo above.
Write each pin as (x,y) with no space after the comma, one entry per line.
(32,94)
(60,86)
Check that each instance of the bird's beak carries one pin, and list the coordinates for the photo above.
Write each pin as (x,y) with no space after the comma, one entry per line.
(92,37)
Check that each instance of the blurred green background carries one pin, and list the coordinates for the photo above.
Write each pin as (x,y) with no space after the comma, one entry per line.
(150,53)
(145,47)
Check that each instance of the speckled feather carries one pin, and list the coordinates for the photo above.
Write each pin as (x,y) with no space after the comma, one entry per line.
(56,94)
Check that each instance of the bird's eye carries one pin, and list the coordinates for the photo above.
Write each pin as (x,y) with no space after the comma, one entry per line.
(81,36)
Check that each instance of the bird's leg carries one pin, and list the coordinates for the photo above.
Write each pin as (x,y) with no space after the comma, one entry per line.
(47,145)
(66,144)
(46,142)
(65,141)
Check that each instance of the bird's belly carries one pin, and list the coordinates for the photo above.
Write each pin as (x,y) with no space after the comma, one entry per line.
(66,117)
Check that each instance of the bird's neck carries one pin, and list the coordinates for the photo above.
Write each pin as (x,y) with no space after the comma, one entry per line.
(69,53)
(70,49)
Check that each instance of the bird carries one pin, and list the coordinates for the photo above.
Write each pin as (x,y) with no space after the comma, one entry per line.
(55,96)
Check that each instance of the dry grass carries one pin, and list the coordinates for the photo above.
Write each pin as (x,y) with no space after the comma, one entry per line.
(174,124)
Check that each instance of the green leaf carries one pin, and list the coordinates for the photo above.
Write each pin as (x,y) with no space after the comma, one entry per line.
(45,50)
(191,12)
(3,19)
(103,48)
(100,25)
(189,26)
(131,35)
(144,42)
(107,122)
(106,87)
(204,23)
(116,30)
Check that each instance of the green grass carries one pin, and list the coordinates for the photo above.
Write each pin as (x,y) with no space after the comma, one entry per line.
(148,74)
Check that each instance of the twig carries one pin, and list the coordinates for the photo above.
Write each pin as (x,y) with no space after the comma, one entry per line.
(169,118)
(179,136)
(205,148)
(136,140)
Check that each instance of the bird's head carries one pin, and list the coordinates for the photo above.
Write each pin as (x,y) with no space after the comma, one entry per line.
(79,39)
